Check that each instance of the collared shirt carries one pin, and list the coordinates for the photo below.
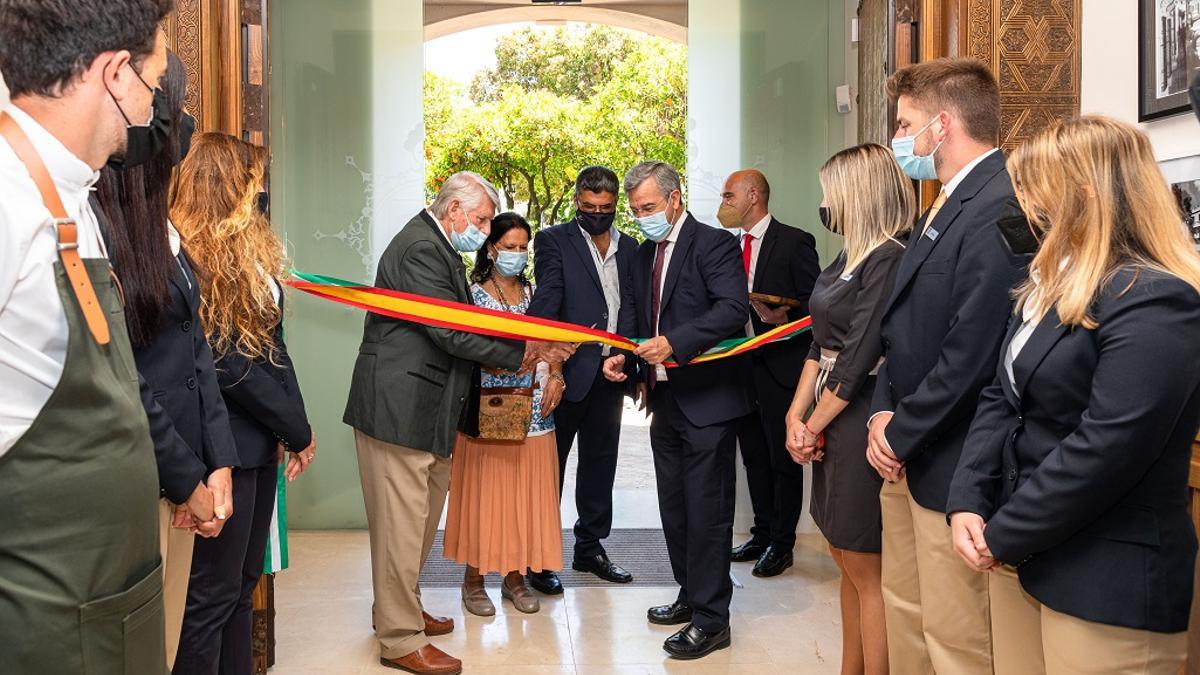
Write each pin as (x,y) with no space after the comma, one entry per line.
(440,228)
(756,233)
(610,277)
(671,239)
(33,325)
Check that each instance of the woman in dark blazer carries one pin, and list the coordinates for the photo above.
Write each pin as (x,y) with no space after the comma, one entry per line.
(218,209)
(1072,486)
(193,446)
(869,201)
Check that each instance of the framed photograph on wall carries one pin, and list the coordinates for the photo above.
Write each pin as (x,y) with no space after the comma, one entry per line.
(1183,175)
(1167,45)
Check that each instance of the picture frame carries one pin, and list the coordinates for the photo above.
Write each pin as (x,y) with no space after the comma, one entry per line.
(1183,175)
(1167,56)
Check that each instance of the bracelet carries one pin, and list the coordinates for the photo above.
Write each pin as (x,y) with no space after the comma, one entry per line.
(558,378)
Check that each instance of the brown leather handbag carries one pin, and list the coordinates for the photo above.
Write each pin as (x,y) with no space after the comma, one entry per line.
(505,413)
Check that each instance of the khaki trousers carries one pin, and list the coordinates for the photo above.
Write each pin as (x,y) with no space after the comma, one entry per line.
(175,547)
(936,607)
(404,491)
(1032,639)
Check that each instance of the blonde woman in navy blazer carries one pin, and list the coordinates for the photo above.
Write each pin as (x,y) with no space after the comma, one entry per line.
(1072,488)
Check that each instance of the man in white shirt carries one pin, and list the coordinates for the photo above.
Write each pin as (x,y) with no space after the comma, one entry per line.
(941,332)
(78,481)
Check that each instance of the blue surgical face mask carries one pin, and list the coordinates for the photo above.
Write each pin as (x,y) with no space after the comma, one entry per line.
(510,263)
(917,167)
(469,240)
(655,227)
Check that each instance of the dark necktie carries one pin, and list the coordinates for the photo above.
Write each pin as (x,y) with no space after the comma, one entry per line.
(655,291)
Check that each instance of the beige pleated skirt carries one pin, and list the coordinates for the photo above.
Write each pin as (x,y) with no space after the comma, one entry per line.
(503,511)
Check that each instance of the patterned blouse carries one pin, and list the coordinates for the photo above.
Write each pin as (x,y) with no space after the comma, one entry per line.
(538,425)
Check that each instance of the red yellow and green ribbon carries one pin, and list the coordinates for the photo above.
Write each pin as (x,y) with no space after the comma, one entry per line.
(483,321)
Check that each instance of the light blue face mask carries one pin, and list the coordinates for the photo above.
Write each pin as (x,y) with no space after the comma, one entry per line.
(915,166)
(469,240)
(655,227)
(510,263)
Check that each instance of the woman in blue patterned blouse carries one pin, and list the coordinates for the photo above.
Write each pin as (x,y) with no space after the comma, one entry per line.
(503,513)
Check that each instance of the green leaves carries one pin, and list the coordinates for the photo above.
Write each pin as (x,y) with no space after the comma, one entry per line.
(559,100)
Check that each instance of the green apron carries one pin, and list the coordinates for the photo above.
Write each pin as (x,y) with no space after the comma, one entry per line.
(80,579)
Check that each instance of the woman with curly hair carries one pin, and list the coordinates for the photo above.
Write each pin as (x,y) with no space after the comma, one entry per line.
(218,206)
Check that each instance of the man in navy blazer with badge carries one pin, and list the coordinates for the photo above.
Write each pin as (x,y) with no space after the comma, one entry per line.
(941,331)
(691,293)
(583,270)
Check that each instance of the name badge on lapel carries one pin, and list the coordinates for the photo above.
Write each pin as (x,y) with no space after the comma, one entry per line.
(847,276)
(931,233)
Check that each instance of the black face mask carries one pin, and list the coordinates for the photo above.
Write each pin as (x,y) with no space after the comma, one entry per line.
(595,223)
(1018,234)
(187,127)
(827,219)
(264,203)
(143,143)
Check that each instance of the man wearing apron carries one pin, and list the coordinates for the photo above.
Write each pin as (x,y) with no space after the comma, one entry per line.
(80,588)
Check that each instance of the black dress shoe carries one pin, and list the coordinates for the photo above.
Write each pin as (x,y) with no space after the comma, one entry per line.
(773,562)
(670,615)
(693,643)
(545,582)
(750,551)
(602,567)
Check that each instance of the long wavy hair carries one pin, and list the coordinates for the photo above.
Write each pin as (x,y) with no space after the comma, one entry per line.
(1092,187)
(215,208)
(135,202)
(870,199)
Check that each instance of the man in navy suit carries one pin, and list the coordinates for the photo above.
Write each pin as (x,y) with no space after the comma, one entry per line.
(583,272)
(690,292)
(941,330)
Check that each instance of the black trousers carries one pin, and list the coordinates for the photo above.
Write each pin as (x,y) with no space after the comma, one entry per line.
(596,420)
(776,482)
(695,471)
(217,623)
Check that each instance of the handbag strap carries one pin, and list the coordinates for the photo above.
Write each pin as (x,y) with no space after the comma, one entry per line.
(507,391)
(65,227)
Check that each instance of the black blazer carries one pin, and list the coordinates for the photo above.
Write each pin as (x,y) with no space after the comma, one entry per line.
(943,326)
(787,266)
(1081,467)
(568,289)
(188,419)
(264,401)
(704,301)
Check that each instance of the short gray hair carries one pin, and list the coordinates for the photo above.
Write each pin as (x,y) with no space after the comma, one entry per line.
(664,175)
(469,188)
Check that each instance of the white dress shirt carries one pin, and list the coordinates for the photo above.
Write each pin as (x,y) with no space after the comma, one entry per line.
(671,239)
(610,277)
(756,233)
(33,325)
(440,228)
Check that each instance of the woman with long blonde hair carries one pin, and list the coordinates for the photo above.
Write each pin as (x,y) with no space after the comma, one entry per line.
(1072,487)
(219,209)
(870,202)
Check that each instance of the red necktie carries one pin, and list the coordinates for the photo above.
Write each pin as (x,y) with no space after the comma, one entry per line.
(655,291)
(747,251)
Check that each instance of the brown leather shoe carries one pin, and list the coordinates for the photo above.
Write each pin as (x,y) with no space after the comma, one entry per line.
(427,660)
(437,625)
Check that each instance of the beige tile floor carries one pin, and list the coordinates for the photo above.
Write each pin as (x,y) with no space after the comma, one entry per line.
(789,624)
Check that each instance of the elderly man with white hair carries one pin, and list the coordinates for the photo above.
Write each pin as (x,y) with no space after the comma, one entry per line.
(414,388)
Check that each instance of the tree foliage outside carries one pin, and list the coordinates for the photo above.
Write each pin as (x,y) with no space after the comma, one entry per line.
(557,101)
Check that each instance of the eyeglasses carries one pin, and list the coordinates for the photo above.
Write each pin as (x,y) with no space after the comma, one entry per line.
(647,209)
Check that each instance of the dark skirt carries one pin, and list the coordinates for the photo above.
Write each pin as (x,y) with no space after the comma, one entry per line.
(845,489)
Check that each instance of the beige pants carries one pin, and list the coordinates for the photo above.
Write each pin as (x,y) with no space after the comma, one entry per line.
(936,607)
(1032,639)
(175,547)
(404,491)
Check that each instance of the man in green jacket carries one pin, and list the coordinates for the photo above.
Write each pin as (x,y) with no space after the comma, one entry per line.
(414,388)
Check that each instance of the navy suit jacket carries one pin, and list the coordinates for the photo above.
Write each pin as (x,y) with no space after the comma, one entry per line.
(1080,467)
(264,402)
(704,301)
(943,326)
(568,289)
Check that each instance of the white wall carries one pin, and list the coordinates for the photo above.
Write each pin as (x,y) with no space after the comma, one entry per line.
(1110,77)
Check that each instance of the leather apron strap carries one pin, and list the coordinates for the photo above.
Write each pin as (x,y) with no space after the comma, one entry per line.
(65,226)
